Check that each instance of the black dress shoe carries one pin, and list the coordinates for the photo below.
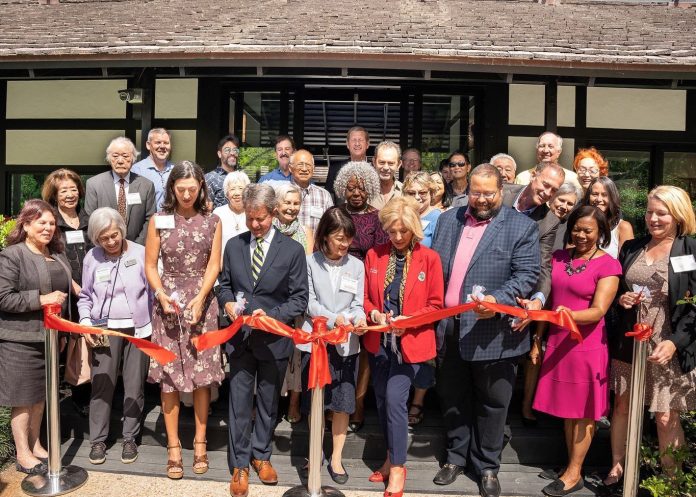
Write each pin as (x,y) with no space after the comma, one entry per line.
(340,478)
(529,422)
(447,474)
(356,426)
(557,488)
(490,486)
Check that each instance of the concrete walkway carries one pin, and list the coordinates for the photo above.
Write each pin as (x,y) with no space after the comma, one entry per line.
(119,485)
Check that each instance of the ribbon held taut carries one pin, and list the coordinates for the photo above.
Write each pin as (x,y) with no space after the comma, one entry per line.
(52,320)
(319,374)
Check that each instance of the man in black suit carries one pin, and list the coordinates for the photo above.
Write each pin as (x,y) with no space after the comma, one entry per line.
(269,270)
(132,195)
(530,200)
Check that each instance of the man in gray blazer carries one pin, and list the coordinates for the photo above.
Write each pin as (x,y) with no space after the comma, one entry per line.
(128,193)
(493,246)
(531,200)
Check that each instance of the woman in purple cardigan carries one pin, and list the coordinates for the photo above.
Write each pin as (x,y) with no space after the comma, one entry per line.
(115,295)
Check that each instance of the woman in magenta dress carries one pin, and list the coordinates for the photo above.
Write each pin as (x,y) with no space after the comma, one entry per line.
(574,377)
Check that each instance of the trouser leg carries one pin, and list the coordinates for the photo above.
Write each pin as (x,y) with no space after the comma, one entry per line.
(105,361)
(241,398)
(269,377)
(135,366)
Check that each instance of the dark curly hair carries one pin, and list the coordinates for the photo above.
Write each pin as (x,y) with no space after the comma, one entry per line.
(184,170)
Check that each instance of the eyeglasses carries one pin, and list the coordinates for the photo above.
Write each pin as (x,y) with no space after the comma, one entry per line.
(414,193)
(231,150)
(458,164)
(584,170)
(303,166)
(487,196)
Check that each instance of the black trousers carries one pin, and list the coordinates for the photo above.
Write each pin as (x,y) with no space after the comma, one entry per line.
(475,396)
(244,441)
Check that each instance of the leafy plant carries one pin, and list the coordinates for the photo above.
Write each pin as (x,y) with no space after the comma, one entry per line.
(6,225)
(6,445)
(681,482)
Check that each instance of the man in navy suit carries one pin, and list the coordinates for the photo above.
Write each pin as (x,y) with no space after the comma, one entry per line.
(268,270)
(496,247)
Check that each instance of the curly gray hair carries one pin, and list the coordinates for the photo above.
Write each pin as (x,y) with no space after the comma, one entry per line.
(360,170)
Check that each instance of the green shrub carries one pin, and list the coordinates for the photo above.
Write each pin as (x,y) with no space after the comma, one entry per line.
(682,483)
(6,225)
(6,445)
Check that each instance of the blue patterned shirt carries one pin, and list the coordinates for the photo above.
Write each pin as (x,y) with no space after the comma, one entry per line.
(215,180)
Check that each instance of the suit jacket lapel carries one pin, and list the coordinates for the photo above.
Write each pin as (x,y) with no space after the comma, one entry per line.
(246,256)
(132,188)
(415,268)
(272,253)
(487,238)
(461,221)
(677,281)
(110,191)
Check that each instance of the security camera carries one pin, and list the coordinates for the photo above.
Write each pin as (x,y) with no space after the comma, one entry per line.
(131,95)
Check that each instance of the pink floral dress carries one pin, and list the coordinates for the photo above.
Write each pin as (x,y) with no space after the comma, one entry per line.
(185,251)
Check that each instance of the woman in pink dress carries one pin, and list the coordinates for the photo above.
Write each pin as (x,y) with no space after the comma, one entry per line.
(574,377)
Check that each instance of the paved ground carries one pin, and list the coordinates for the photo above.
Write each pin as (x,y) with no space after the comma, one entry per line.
(119,485)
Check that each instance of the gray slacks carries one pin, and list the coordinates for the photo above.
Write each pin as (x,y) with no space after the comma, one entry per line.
(105,363)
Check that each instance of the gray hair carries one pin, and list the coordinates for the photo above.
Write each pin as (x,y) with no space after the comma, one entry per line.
(235,177)
(292,156)
(546,165)
(158,131)
(361,170)
(121,140)
(503,156)
(258,195)
(282,188)
(570,187)
(101,220)
(559,140)
(387,144)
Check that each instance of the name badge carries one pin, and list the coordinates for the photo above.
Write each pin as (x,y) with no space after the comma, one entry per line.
(683,263)
(316,212)
(348,284)
(103,275)
(164,222)
(76,236)
(130,262)
(133,199)
(424,223)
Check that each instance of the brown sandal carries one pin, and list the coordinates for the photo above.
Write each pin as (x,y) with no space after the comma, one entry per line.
(200,460)
(417,417)
(175,469)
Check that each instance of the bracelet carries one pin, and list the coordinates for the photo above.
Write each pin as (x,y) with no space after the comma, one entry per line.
(158,291)
(536,338)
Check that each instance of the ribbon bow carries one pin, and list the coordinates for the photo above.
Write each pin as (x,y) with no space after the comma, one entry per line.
(641,332)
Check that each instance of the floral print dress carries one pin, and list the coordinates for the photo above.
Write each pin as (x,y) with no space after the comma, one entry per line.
(185,251)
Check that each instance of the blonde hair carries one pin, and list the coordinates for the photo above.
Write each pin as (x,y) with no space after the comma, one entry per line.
(404,209)
(420,178)
(679,206)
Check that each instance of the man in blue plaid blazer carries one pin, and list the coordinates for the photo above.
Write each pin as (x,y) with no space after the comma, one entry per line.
(496,247)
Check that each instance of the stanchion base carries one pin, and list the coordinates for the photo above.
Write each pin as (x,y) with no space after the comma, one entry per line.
(70,478)
(302,491)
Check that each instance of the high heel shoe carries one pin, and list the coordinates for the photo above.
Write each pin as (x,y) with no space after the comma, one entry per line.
(199,470)
(400,493)
(378,477)
(175,469)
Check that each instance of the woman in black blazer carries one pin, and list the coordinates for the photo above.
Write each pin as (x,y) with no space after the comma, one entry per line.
(663,262)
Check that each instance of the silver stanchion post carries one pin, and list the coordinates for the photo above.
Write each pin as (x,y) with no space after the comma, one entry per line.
(316,436)
(59,479)
(635,419)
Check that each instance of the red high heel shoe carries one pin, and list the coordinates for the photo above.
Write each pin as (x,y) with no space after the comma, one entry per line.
(378,477)
(400,493)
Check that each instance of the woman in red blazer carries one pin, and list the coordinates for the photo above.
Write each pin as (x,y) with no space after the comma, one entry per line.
(402,278)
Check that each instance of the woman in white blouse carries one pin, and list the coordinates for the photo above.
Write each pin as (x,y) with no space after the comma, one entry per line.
(232,215)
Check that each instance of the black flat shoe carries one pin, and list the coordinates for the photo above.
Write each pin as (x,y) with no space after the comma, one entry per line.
(36,470)
(490,486)
(356,426)
(448,474)
(556,488)
(340,478)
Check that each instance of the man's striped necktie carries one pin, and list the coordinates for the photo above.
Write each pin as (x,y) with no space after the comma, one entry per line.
(257,259)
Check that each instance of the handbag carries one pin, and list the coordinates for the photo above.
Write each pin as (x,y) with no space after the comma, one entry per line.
(78,363)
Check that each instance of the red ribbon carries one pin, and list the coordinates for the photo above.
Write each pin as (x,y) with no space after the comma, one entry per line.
(641,332)
(52,320)
(319,375)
